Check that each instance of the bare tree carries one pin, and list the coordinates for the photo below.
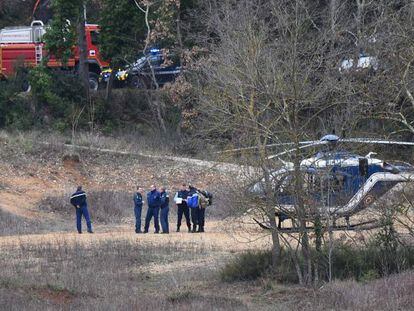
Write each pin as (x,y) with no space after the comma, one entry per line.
(273,76)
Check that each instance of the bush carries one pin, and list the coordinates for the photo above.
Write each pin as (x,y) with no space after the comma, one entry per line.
(372,261)
(56,94)
(57,97)
(362,263)
(182,295)
(248,266)
(15,108)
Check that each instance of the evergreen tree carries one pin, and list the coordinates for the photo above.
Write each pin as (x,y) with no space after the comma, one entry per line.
(67,29)
(122,32)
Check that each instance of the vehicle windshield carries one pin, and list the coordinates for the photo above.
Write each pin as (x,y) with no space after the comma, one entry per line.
(140,62)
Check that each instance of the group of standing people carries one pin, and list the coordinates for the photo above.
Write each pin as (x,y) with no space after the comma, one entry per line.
(191,203)
(159,205)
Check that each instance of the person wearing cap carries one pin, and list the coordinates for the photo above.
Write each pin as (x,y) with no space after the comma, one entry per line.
(138,202)
(182,207)
(165,202)
(154,203)
(78,200)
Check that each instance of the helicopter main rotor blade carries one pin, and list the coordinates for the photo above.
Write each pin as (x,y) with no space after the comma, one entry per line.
(317,143)
(267,146)
(376,141)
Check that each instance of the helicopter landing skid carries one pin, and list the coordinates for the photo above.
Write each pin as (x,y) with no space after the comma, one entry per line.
(366,225)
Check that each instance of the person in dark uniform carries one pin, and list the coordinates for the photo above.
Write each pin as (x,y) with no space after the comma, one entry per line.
(78,200)
(138,202)
(154,203)
(165,208)
(182,207)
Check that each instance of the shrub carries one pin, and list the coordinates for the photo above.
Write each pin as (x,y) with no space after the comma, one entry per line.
(362,263)
(56,94)
(15,109)
(182,295)
(247,266)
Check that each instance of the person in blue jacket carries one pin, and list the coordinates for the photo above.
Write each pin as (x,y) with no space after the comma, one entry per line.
(154,203)
(78,200)
(165,208)
(138,202)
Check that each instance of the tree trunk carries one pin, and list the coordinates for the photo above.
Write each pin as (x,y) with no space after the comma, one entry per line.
(275,240)
(318,247)
(109,85)
(83,69)
(332,15)
(359,17)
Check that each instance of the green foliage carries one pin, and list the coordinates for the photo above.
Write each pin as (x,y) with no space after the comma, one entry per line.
(164,17)
(123,28)
(248,266)
(122,31)
(372,261)
(61,35)
(57,94)
(14,13)
(41,81)
(362,263)
(15,108)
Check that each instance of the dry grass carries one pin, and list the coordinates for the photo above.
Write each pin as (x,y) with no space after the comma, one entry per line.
(391,293)
(129,141)
(109,206)
(12,224)
(125,272)
(109,274)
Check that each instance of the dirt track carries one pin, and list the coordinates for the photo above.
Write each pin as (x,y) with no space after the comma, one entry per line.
(215,238)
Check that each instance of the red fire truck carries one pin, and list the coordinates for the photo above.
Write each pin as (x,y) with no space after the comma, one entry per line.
(25,45)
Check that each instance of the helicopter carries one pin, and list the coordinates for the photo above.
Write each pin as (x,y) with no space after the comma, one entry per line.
(337,184)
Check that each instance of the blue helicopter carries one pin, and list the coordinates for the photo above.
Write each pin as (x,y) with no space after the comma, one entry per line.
(336,184)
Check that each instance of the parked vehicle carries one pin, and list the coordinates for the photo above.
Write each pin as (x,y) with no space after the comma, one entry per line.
(25,45)
(141,73)
(364,62)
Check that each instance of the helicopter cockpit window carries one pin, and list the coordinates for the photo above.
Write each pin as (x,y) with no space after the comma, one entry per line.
(324,183)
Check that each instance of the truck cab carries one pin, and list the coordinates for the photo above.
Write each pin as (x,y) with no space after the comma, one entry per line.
(96,63)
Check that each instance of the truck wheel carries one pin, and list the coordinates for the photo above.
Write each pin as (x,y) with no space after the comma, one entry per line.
(138,83)
(93,81)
